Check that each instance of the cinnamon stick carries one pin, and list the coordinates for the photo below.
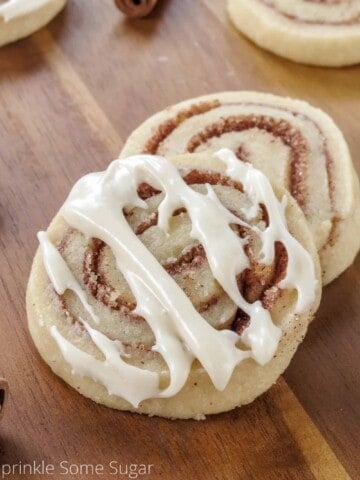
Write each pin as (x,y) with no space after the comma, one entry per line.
(4,389)
(136,8)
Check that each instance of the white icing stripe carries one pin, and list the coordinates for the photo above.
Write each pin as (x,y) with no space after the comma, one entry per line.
(18,8)
(132,383)
(95,207)
(167,343)
(300,271)
(60,274)
(129,382)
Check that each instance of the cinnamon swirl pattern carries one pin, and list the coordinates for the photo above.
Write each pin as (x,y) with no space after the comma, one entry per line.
(174,291)
(20,18)
(297,146)
(316,32)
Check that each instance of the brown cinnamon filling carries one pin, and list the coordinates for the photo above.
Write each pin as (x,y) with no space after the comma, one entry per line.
(242,154)
(351,21)
(257,282)
(212,178)
(146,191)
(192,177)
(166,128)
(278,128)
(253,287)
(254,283)
(191,259)
(150,222)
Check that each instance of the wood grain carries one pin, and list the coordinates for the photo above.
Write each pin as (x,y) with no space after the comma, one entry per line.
(69,96)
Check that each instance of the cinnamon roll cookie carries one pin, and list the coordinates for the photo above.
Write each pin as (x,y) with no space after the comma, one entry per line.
(294,144)
(316,32)
(20,18)
(176,291)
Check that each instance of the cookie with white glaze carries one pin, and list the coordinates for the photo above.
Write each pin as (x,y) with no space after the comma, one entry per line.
(20,18)
(296,145)
(83,341)
(315,32)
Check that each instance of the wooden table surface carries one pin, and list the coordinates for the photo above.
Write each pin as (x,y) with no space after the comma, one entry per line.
(69,96)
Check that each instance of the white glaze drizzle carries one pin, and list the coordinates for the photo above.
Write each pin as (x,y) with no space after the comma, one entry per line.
(260,191)
(129,382)
(60,274)
(119,377)
(95,207)
(18,8)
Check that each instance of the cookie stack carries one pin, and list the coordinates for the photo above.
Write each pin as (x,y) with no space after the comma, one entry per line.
(180,281)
